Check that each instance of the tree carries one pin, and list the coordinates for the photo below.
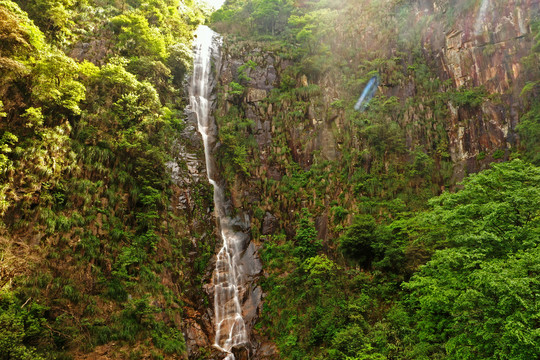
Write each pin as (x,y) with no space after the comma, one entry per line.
(52,16)
(56,85)
(478,298)
(19,38)
(529,131)
(271,15)
(179,61)
(137,38)
(357,243)
(529,126)
(21,329)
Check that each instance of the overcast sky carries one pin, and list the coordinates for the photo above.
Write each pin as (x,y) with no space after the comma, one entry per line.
(214,3)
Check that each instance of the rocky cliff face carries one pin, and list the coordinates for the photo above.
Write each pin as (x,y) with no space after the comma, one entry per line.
(481,49)
(457,102)
(485,49)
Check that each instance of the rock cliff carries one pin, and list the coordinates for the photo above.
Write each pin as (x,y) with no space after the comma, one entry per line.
(448,105)
(481,49)
(454,98)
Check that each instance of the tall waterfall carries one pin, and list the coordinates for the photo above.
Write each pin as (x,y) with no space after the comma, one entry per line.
(228,279)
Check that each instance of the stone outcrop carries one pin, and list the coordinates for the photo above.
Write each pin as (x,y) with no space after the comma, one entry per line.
(270,224)
(485,49)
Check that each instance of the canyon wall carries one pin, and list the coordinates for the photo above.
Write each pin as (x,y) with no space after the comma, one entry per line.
(449,103)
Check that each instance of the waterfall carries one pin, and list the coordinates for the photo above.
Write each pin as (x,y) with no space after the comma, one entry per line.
(481,17)
(228,278)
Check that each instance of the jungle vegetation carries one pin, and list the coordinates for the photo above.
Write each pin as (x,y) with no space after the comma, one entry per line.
(416,265)
(91,101)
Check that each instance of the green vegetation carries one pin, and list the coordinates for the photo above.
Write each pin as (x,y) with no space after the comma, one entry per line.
(22,329)
(473,299)
(235,139)
(380,252)
(376,252)
(529,127)
(487,274)
(88,242)
(468,97)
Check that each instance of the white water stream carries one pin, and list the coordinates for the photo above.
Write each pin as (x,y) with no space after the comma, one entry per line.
(481,17)
(227,278)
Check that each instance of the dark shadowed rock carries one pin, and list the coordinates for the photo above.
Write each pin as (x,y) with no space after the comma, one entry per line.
(240,352)
(214,355)
(251,306)
(195,336)
(321,224)
(270,224)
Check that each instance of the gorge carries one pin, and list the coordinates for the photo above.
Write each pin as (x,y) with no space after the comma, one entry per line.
(276,179)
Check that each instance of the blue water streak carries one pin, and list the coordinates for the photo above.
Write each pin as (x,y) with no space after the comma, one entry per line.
(367,94)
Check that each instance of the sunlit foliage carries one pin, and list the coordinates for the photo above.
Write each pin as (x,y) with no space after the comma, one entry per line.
(89,111)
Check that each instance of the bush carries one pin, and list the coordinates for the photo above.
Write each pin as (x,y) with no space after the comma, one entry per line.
(21,329)
(307,244)
(358,240)
(137,38)
(490,262)
(469,97)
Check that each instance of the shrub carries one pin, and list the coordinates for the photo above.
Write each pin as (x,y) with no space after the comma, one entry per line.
(473,97)
(357,242)
(307,244)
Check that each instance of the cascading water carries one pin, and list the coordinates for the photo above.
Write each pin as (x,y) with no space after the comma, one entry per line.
(228,277)
(481,17)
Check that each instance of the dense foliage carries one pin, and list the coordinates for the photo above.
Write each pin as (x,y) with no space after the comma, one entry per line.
(476,298)
(529,127)
(90,107)
(380,252)
(376,251)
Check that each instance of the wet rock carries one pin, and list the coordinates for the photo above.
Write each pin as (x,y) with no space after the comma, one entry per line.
(251,306)
(250,261)
(215,354)
(239,225)
(267,351)
(195,337)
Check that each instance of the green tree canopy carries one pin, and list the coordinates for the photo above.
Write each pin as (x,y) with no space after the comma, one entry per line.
(52,16)
(478,298)
(357,242)
(307,244)
(137,37)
